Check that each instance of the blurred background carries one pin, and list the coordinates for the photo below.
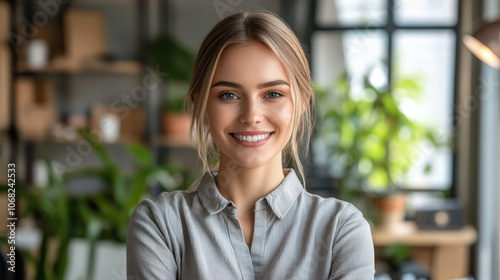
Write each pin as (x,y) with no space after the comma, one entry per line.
(93,119)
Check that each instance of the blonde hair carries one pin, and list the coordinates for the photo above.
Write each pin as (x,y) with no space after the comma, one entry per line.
(270,30)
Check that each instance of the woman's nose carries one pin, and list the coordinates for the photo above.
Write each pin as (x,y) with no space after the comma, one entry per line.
(251,112)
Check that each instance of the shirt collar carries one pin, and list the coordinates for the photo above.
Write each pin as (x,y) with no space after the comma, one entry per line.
(284,196)
(280,200)
(210,196)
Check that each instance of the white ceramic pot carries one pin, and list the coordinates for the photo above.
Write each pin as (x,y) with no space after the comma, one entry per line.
(37,53)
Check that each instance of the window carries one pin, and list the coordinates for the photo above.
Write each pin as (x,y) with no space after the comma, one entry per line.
(394,39)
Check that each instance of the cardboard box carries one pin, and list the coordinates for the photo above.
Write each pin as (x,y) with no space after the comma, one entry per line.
(4,22)
(132,126)
(85,34)
(84,39)
(5,86)
(35,108)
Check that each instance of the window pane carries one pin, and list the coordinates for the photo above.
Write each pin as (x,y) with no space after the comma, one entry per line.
(426,12)
(358,51)
(428,58)
(355,52)
(351,12)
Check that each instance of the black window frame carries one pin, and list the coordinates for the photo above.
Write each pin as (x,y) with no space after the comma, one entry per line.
(390,28)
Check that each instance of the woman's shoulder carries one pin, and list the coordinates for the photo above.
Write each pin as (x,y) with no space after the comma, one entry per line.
(181,203)
(165,204)
(174,197)
(331,208)
(327,202)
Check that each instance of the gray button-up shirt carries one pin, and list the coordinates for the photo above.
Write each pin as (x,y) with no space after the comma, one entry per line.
(297,235)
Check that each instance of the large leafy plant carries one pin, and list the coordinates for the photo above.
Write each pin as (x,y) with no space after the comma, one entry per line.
(102,215)
(369,139)
(169,56)
(105,214)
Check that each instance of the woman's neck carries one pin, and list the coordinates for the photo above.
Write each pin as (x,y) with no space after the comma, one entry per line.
(244,186)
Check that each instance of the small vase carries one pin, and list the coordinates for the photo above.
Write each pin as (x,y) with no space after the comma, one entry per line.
(392,212)
(176,126)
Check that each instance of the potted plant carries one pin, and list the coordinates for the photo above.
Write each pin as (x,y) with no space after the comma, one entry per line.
(90,222)
(169,56)
(105,214)
(370,141)
(176,122)
(399,261)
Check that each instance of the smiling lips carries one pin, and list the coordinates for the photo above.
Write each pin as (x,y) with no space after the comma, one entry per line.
(251,139)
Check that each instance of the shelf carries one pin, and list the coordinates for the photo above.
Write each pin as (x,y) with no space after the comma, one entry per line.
(76,141)
(415,237)
(67,66)
(161,141)
(445,253)
(164,141)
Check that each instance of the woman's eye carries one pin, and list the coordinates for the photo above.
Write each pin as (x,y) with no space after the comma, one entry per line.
(228,95)
(274,94)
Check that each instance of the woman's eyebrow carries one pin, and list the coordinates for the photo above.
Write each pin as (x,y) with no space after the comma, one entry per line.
(272,83)
(260,86)
(227,84)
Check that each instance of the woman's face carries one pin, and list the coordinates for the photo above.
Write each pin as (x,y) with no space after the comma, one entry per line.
(250,106)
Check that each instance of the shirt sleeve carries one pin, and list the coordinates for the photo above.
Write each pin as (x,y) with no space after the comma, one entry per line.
(149,254)
(353,252)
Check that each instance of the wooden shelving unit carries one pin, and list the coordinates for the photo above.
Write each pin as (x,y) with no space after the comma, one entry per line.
(63,69)
(163,141)
(120,67)
(445,253)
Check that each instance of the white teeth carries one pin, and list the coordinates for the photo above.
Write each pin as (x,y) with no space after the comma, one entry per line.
(252,138)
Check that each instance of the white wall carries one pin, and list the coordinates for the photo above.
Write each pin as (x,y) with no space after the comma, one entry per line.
(489,164)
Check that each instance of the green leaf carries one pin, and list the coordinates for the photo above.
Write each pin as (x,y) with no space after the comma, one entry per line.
(390,105)
(138,188)
(93,231)
(167,55)
(346,133)
(108,210)
(428,167)
(99,149)
(142,155)
(119,189)
(398,253)
(61,201)
(379,179)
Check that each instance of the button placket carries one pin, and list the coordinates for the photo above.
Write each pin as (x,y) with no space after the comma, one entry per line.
(260,235)
(240,248)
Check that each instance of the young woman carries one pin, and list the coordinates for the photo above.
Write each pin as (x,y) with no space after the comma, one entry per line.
(252,218)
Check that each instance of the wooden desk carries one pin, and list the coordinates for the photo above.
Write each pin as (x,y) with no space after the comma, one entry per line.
(445,253)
